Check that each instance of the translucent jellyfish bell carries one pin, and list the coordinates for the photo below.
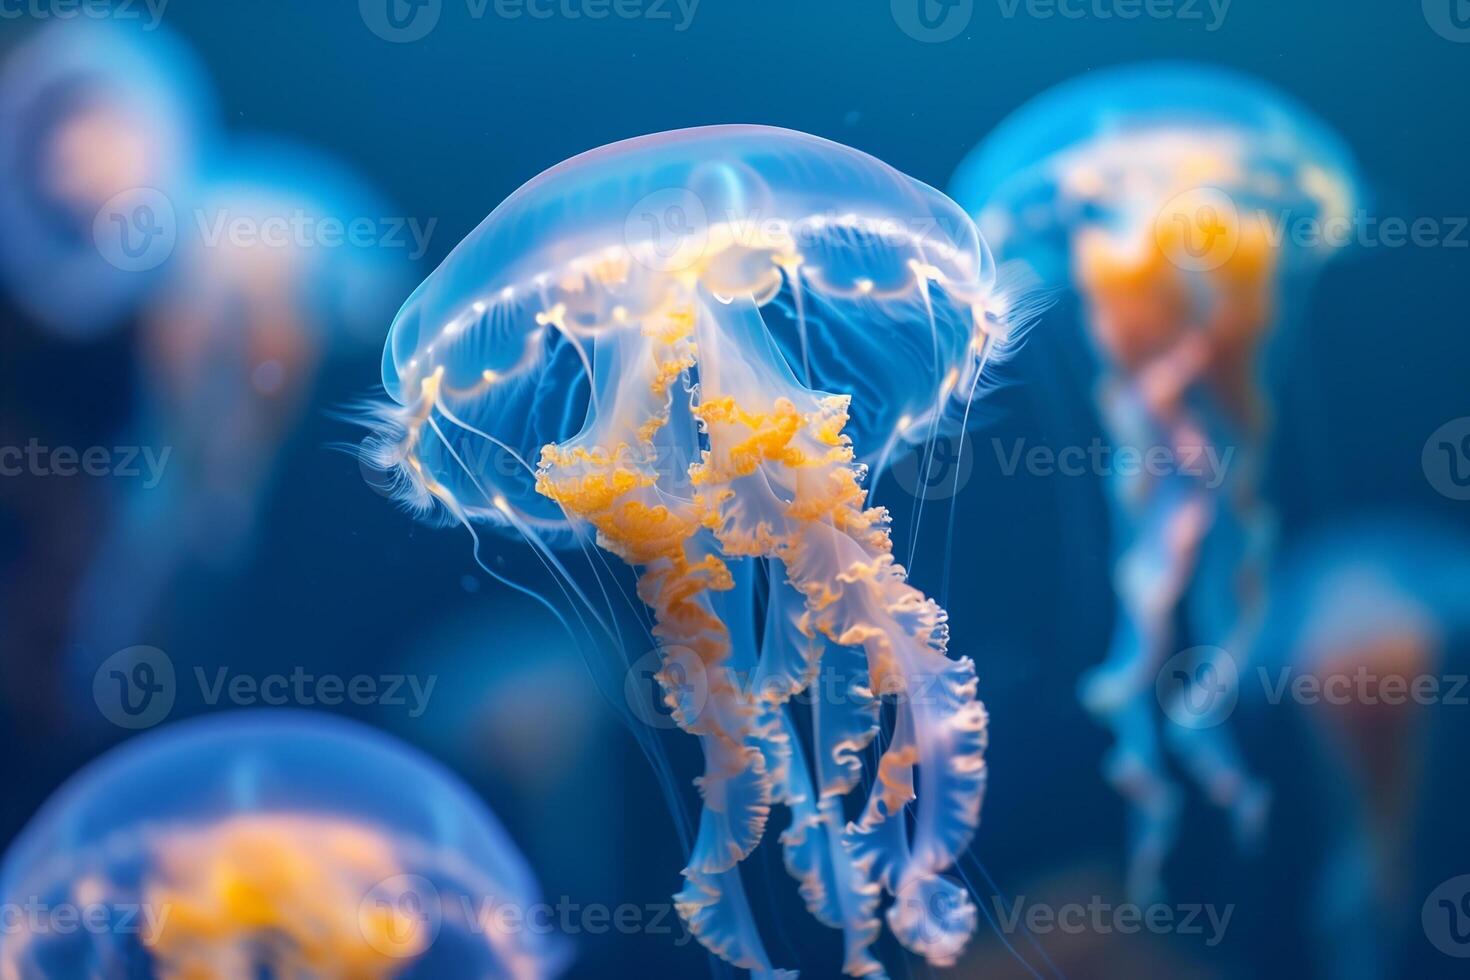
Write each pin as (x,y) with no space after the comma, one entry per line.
(1189,207)
(95,117)
(268,844)
(684,344)
(868,284)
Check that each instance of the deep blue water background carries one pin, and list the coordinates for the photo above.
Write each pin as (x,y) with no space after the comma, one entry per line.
(450,125)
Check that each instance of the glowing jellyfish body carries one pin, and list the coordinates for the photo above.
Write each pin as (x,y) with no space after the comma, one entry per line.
(1164,195)
(1371,610)
(682,344)
(95,117)
(265,282)
(268,844)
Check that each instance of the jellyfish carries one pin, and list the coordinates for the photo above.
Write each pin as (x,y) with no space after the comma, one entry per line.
(1374,610)
(687,349)
(266,283)
(99,121)
(269,843)
(1164,195)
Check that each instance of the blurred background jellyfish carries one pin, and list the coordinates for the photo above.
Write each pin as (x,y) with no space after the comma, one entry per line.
(683,347)
(274,844)
(1373,615)
(545,715)
(1167,196)
(269,278)
(101,122)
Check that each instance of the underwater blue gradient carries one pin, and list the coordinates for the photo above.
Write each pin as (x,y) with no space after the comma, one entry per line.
(336,581)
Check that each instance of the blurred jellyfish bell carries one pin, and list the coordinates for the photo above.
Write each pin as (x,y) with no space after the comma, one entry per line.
(1172,197)
(684,346)
(102,127)
(281,229)
(270,844)
(283,259)
(267,281)
(1375,612)
(1109,152)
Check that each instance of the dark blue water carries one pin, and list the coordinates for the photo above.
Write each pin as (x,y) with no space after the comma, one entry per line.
(450,124)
